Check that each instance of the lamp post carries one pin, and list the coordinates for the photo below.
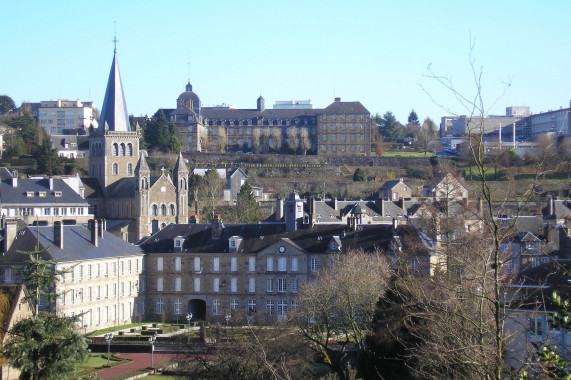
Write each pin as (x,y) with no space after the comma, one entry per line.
(188,318)
(108,339)
(227,318)
(152,340)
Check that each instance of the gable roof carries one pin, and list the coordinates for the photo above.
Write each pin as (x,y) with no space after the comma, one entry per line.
(10,194)
(77,245)
(256,237)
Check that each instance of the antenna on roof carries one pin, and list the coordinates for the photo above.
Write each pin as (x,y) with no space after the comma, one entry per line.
(188,68)
(115,35)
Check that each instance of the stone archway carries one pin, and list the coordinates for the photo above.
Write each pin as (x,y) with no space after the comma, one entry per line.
(198,309)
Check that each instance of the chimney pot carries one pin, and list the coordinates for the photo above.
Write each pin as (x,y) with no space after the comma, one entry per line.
(93,227)
(58,234)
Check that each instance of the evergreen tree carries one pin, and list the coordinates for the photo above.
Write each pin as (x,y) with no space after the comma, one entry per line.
(413,118)
(246,208)
(49,162)
(390,128)
(359,175)
(7,105)
(161,135)
(45,345)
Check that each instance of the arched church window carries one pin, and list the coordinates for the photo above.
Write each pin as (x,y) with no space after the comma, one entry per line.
(115,149)
(154,210)
(163,210)
(129,149)
(115,168)
(172,210)
(129,168)
(122,149)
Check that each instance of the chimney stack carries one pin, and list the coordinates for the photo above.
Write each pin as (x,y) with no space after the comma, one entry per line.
(58,234)
(93,227)
(337,100)
(101,227)
(10,231)
(51,181)
(279,209)
(14,181)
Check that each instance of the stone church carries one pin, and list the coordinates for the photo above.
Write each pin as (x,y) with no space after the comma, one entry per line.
(120,187)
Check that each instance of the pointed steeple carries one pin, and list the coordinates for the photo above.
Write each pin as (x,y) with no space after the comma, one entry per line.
(142,166)
(114,112)
(180,165)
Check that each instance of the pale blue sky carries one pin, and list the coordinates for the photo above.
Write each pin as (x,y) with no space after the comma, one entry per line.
(375,52)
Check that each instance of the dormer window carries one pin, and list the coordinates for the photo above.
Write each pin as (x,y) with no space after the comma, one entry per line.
(178,243)
(57,193)
(41,193)
(29,193)
(234,243)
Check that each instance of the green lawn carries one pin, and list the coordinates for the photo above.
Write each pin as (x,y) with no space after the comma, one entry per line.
(95,362)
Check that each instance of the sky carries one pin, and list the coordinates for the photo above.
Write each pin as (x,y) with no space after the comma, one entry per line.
(375,52)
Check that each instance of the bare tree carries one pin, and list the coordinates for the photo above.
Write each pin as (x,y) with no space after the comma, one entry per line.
(256,140)
(293,140)
(203,139)
(335,308)
(266,139)
(471,292)
(304,140)
(222,139)
(251,352)
(276,139)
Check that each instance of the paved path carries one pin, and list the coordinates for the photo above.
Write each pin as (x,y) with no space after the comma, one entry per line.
(139,361)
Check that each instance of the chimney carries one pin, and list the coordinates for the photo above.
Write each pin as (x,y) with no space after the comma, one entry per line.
(395,223)
(101,227)
(335,204)
(10,231)
(337,100)
(51,181)
(551,202)
(14,181)
(383,209)
(313,212)
(93,227)
(58,234)
(217,227)
(279,209)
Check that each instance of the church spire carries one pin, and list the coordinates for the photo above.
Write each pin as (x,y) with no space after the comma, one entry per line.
(114,111)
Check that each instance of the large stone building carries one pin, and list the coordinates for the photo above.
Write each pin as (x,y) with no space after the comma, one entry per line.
(105,279)
(212,270)
(342,128)
(121,187)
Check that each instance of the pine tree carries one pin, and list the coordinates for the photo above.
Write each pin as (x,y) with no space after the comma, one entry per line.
(246,208)
(45,345)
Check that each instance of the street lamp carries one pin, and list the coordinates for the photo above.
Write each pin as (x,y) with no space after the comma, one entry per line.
(227,318)
(108,339)
(152,340)
(188,318)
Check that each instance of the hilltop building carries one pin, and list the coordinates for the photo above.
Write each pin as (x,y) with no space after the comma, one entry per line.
(342,128)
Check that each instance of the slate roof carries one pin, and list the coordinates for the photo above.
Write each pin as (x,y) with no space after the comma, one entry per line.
(18,195)
(81,142)
(257,237)
(114,111)
(92,188)
(390,184)
(217,113)
(6,173)
(345,107)
(76,242)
